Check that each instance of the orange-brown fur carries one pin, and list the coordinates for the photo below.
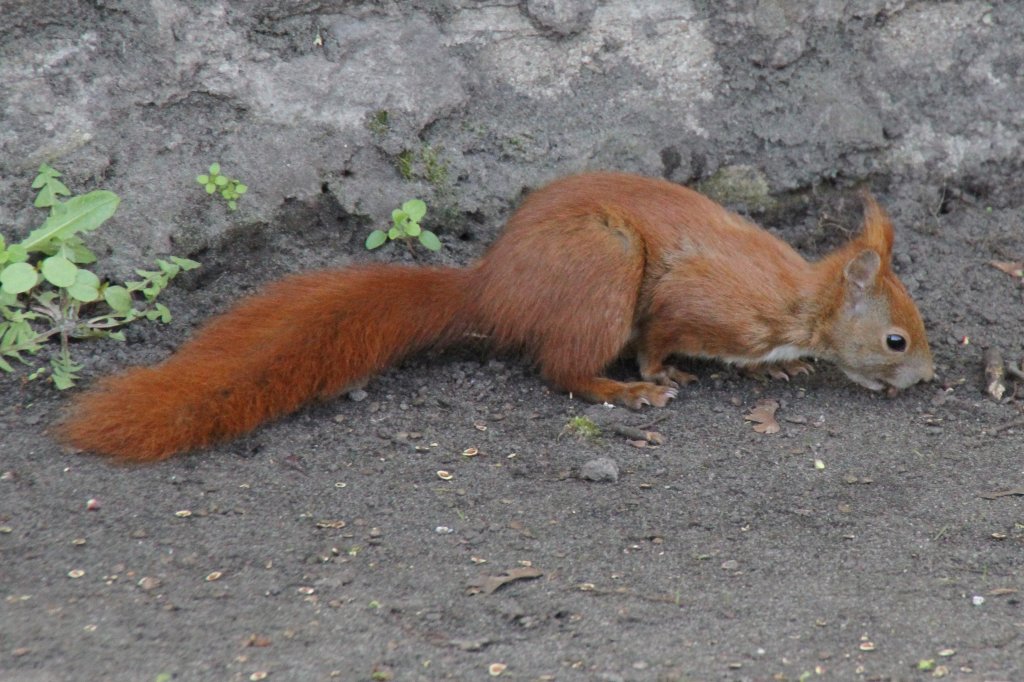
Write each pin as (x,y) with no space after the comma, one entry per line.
(588,267)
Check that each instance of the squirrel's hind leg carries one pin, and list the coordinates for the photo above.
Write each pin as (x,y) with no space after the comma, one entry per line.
(632,394)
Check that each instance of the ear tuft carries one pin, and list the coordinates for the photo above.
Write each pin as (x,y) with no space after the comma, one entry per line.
(877,232)
(861,271)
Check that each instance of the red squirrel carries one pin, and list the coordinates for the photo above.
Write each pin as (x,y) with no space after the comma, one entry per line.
(589,268)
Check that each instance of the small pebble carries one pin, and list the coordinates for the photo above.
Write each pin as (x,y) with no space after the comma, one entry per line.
(602,470)
(149,583)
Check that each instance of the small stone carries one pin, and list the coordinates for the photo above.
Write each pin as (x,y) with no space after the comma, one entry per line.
(601,470)
(148,583)
(358,395)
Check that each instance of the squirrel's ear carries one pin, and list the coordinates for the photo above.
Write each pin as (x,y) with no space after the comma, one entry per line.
(861,272)
(877,232)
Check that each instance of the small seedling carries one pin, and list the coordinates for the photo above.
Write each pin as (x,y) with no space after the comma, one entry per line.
(229,188)
(44,288)
(405,225)
(582,428)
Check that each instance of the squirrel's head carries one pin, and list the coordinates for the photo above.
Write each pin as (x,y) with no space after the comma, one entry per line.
(877,332)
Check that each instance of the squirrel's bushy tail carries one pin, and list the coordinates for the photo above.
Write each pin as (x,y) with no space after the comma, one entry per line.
(305,337)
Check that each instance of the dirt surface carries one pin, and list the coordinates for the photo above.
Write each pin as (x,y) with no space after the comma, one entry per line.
(870,539)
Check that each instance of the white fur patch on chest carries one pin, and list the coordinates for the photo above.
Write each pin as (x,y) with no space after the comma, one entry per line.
(778,354)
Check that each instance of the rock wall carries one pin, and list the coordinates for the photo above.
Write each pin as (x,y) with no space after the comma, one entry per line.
(466,104)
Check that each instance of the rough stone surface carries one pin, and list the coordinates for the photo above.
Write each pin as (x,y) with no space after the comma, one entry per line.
(322,526)
(600,470)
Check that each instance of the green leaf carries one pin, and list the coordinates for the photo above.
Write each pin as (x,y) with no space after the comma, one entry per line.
(75,250)
(18,333)
(211,188)
(16,253)
(87,278)
(49,187)
(394,233)
(170,269)
(59,271)
(214,168)
(376,238)
(83,293)
(413,230)
(220,181)
(233,205)
(46,173)
(185,263)
(159,313)
(118,298)
(83,213)
(202,179)
(64,372)
(18,278)
(415,209)
(430,240)
(241,189)
(86,287)
(398,216)
(47,196)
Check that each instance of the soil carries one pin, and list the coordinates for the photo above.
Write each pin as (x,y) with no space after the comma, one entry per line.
(871,538)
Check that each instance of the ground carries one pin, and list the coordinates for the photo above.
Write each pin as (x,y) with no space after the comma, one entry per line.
(857,542)
(871,538)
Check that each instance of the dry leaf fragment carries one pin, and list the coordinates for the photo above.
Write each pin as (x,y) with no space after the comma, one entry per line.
(763,416)
(1011,268)
(487,584)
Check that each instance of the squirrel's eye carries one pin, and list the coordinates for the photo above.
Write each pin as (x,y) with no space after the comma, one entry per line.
(896,343)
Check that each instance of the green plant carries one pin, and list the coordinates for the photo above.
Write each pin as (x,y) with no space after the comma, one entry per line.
(229,188)
(379,122)
(44,288)
(405,164)
(427,164)
(582,427)
(405,225)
